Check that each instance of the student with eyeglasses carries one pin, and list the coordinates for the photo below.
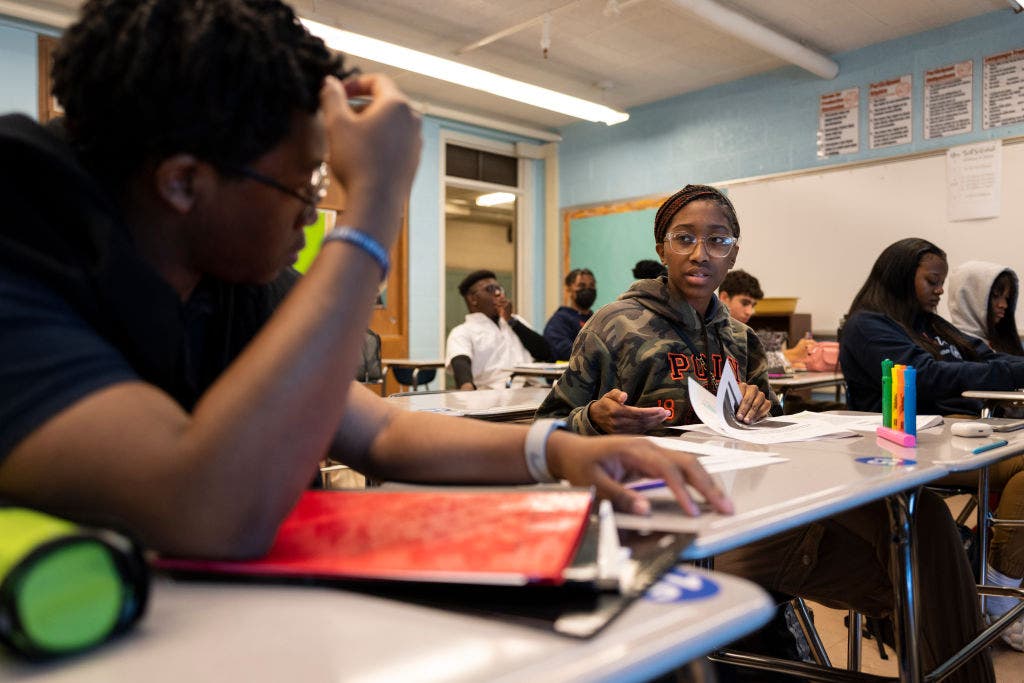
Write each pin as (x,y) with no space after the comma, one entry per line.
(163,368)
(480,351)
(628,374)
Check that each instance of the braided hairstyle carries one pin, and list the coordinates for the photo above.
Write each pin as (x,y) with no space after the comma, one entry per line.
(140,80)
(889,290)
(691,193)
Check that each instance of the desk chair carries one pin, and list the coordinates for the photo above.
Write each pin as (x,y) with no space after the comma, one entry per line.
(413,377)
(370,370)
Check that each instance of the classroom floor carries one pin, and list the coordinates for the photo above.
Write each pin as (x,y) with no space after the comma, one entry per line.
(1008,662)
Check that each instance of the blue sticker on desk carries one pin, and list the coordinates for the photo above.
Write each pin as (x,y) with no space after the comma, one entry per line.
(888,462)
(679,585)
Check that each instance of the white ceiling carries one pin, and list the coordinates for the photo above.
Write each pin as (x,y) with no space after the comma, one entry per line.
(650,50)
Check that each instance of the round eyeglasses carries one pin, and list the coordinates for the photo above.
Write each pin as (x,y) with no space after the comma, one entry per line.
(492,289)
(718,246)
(311,195)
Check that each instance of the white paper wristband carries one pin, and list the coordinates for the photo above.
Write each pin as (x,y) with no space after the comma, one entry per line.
(536,449)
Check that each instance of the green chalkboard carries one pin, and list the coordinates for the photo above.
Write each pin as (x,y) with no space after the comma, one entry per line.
(610,245)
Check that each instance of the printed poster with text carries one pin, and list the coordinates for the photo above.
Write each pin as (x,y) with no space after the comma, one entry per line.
(839,123)
(1002,101)
(948,100)
(890,112)
(974,180)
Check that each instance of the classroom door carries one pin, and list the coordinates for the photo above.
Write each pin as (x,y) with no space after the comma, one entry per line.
(483,201)
(477,237)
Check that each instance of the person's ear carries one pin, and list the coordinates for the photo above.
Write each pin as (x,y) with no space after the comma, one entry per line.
(723,297)
(733,255)
(660,248)
(175,181)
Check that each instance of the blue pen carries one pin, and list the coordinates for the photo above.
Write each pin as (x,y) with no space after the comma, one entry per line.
(910,401)
(646,484)
(989,446)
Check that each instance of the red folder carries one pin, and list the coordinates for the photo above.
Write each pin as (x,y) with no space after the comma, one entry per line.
(504,537)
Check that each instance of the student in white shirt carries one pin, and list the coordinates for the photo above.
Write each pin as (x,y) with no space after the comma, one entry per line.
(480,350)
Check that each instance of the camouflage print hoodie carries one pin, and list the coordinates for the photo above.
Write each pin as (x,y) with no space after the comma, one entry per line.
(645,343)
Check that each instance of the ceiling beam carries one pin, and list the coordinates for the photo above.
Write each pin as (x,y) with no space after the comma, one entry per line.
(761,36)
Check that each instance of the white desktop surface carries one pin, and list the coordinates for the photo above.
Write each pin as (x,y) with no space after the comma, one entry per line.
(483,400)
(803,380)
(936,445)
(819,479)
(199,631)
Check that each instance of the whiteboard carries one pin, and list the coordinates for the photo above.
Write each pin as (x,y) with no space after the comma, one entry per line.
(815,235)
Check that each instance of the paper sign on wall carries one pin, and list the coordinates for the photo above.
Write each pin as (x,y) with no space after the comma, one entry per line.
(890,113)
(839,123)
(974,180)
(948,100)
(1003,93)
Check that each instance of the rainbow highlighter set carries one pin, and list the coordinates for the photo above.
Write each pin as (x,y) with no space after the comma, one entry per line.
(899,404)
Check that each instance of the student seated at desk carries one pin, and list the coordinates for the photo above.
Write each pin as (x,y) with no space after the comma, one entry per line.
(893,317)
(155,376)
(740,291)
(646,269)
(565,323)
(983,304)
(480,351)
(628,374)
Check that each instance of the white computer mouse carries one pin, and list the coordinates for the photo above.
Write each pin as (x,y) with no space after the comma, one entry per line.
(971,429)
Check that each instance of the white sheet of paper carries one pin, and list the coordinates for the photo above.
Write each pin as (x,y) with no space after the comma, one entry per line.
(864,423)
(715,458)
(710,409)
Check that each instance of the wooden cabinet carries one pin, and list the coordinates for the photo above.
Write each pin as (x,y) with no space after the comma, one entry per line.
(795,325)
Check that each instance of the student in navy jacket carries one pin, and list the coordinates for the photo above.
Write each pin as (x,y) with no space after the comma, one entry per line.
(565,323)
(893,317)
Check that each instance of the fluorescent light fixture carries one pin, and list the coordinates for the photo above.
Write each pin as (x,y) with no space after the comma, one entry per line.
(460,74)
(495,198)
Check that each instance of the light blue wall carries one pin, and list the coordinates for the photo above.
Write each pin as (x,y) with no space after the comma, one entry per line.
(767,124)
(19,87)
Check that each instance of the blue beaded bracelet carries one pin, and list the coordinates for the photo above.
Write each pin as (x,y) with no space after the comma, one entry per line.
(344,233)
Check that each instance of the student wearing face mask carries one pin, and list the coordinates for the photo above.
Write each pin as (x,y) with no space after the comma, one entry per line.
(565,324)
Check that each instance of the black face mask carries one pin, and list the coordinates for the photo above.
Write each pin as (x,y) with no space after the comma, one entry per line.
(584,298)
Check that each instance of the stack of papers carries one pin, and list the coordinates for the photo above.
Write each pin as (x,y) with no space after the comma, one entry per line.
(718,414)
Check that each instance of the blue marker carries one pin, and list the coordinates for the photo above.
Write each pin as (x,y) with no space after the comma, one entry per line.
(989,446)
(910,401)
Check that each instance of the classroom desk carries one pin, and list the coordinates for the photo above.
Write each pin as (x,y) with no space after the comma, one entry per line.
(414,365)
(496,405)
(937,447)
(807,380)
(550,371)
(819,479)
(199,631)
(991,399)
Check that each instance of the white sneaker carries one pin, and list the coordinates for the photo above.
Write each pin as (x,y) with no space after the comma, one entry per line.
(1012,635)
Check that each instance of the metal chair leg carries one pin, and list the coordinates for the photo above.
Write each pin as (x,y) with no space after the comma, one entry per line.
(811,633)
(853,641)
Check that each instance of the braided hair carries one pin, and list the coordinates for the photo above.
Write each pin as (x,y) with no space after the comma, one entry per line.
(691,193)
(141,80)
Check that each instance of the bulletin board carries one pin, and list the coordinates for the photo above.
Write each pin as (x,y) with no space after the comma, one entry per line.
(815,234)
